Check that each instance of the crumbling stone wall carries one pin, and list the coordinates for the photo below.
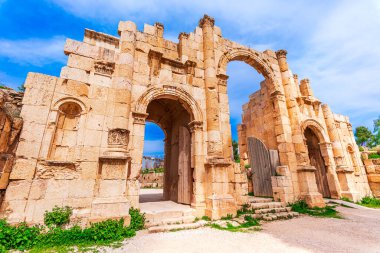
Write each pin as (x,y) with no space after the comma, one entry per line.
(152,180)
(372,167)
(83,135)
(10,127)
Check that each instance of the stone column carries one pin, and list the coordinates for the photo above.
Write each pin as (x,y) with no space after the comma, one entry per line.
(344,173)
(290,91)
(137,146)
(123,75)
(214,142)
(332,179)
(198,200)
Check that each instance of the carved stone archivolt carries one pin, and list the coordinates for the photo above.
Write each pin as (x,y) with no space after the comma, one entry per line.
(118,136)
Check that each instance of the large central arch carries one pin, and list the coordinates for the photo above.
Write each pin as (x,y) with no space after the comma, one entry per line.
(252,58)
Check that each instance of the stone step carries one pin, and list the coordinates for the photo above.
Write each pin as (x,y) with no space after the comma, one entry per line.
(253,199)
(282,215)
(273,210)
(157,221)
(267,205)
(175,227)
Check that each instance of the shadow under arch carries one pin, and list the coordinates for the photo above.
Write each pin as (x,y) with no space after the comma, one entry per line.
(170,92)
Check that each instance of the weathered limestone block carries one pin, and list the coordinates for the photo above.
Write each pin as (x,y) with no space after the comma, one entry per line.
(80,62)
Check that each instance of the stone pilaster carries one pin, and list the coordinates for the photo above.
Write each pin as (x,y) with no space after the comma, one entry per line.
(214,142)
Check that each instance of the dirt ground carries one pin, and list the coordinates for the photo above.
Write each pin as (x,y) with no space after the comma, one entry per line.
(359,231)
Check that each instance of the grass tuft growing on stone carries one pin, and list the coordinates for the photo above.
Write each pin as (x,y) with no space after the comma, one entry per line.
(244,227)
(326,212)
(369,202)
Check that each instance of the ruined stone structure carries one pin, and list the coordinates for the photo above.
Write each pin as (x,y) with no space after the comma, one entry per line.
(10,126)
(83,135)
(372,167)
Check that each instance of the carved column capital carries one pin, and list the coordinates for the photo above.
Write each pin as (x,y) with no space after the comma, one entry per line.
(281,53)
(206,21)
(183,35)
(139,117)
(195,126)
(222,79)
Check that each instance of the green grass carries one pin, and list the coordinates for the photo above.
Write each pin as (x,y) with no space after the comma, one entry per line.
(346,199)
(369,202)
(228,217)
(246,226)
(374,156)
(206,218)
(245,209)
(54,237)
(326,212)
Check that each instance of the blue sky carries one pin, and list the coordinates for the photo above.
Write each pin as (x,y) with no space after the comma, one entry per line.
(333,43)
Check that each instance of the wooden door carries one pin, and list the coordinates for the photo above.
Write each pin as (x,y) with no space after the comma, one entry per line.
(185,179)
(260,162)
(318,162)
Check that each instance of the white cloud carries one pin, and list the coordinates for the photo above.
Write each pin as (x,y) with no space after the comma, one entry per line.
(342,60)
(37,52)
(334,43)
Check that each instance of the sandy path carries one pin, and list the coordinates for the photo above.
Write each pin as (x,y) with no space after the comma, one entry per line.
(358,232)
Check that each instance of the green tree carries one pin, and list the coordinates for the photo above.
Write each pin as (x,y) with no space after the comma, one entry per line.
(376,131)
(363,135)
(21,88)
(235,147)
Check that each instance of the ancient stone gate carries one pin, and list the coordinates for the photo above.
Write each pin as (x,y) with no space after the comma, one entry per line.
(83,134)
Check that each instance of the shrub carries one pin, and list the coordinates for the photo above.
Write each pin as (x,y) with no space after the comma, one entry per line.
(137,219)
(23,237)
(19,237)
(370,202)
(59,216)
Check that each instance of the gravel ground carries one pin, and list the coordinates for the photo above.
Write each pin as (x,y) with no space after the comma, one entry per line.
(359,231)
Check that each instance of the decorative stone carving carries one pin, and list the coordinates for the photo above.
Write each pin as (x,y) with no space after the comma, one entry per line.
(195,126)
(118,136)
(222,79)
(154,62)
(104,68)
(139,118)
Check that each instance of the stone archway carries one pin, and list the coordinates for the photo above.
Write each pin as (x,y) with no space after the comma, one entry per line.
(252,58)
(178,114)
(317,160)
(174,120)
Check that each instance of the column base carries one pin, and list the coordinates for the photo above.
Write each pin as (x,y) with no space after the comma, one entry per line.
(110,208)
(218,206)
